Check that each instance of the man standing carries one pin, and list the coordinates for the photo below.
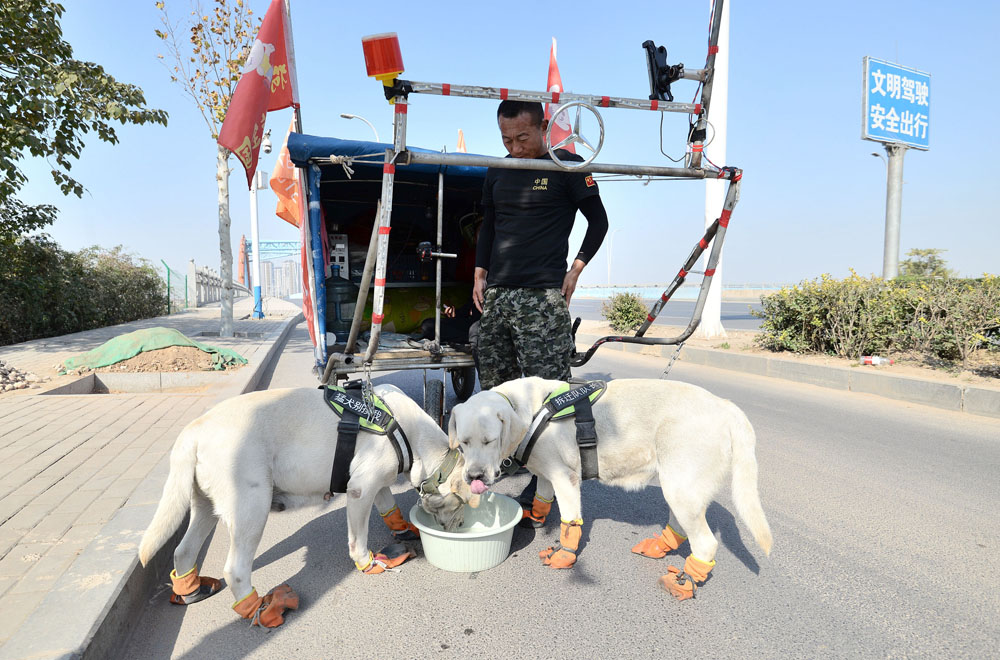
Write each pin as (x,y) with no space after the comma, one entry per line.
(522,285)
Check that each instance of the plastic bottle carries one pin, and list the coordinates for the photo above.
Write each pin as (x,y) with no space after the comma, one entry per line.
(876,360)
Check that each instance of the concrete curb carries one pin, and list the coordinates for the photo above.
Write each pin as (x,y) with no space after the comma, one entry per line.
(100,596)
(974,400)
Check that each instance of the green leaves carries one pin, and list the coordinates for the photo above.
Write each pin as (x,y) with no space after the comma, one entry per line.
(624,312)
(207,51)
(49,102)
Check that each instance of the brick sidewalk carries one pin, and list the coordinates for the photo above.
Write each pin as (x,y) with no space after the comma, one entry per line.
(69,463)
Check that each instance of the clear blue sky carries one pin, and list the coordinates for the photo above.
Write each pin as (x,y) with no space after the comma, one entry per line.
(813,197)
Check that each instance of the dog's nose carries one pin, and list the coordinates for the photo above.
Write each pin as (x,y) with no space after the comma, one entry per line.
(473,476)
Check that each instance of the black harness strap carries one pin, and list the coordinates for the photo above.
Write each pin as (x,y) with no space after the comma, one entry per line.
(586,438)
(350,425)
(347,437)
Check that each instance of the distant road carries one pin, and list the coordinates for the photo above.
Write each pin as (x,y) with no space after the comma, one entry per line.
(735,315)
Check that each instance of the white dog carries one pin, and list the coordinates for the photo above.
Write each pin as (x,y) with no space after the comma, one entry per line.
(647,429)
(276,448)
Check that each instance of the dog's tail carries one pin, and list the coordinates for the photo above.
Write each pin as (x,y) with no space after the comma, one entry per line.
(745,494)
(176,498)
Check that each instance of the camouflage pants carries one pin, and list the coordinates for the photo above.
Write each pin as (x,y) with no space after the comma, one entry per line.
(524,331)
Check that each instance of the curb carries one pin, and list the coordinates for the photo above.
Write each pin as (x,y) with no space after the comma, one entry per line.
(98,599)
(970,399)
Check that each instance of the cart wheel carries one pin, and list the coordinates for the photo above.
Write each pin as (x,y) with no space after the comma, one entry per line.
(434,400)
(463,381)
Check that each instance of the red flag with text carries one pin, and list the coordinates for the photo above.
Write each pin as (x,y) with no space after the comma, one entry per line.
(562,128)
(267,84)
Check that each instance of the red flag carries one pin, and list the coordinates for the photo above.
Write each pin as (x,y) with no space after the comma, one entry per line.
(562,128)
(267,84)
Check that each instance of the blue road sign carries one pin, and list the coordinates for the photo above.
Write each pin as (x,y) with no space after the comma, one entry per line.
(897,104)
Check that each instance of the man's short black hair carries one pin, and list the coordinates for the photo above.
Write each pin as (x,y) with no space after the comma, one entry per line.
(511,109)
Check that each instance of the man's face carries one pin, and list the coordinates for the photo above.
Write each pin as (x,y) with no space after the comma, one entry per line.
(522,137)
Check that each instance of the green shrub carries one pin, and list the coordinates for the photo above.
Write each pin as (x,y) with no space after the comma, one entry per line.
(945,318)
(47,291)
(624,312)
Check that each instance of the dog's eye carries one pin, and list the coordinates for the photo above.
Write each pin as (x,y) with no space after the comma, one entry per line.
(486,441)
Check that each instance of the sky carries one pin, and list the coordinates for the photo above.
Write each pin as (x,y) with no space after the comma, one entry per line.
(812,198)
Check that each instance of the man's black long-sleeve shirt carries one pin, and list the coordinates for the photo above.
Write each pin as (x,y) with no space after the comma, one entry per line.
(524,239)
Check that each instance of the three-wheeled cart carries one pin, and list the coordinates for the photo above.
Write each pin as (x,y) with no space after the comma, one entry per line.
(414,211)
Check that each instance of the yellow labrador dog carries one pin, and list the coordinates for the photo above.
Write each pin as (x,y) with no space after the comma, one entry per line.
(676,433)
(276,449)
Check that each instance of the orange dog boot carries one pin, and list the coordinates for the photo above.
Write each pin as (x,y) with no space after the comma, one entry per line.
(267,611)
(248,606)
(191,587)
(400,528)
(387,559)
(274,604)
(535,517)
(698,569)
(564,554)
(677,583)
(659,546)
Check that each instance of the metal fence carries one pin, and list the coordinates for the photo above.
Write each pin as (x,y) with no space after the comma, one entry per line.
(177,289)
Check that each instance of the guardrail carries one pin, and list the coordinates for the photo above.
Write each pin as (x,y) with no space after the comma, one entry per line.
(205,286)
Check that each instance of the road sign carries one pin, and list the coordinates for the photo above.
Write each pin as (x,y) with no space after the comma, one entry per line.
(897,104)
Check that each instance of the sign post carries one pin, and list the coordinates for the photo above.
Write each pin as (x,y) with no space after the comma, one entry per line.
(896,111)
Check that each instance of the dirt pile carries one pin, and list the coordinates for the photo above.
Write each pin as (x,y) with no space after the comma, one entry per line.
(172,358)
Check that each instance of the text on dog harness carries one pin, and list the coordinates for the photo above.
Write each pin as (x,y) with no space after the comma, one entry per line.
(355,415)
(568,400)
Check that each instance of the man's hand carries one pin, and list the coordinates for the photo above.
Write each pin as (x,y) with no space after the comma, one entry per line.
(569,281)
(479,289)
(449,311)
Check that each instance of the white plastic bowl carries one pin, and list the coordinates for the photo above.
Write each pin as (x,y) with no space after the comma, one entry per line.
(482,542)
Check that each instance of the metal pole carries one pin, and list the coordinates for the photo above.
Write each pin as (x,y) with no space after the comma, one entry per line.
(168,284)
(893,209)
(710,74)
(437,248)
(366,280)
(258,312)
(346,115)
(715,194)
(385,223)
(435,158)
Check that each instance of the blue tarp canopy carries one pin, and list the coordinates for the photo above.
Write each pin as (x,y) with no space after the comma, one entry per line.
(302,148)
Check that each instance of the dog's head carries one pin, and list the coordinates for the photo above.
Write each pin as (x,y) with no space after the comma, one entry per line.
(447,506)
(486,430)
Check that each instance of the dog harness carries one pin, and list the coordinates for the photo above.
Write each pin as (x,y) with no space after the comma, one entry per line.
(571,399)
(356,415)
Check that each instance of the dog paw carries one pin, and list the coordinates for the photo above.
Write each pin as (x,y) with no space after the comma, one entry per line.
(677,584)
(557,557)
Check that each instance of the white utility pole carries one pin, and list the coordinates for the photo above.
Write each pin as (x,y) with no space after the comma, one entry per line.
(715,191)
(259,183)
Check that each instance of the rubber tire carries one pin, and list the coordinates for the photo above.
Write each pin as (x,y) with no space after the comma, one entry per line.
(463,381)
(434,400)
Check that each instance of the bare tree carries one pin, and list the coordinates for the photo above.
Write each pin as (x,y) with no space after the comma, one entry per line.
(206,52)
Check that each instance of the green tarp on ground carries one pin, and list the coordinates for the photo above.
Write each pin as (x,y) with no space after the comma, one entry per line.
(131,344)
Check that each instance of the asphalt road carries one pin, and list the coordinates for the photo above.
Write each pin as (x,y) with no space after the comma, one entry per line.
(886,542)
(734,315)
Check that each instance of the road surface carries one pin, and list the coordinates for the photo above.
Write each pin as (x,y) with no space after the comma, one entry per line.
(886,543)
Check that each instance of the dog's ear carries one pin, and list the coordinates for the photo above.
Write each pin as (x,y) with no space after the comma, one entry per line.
(448,510)
(513,429)
(452,429)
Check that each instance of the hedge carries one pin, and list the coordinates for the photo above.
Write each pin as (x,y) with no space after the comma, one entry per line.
(47,291)
(947,318)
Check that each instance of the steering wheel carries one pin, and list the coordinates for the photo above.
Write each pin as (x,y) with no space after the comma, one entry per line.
(574,136)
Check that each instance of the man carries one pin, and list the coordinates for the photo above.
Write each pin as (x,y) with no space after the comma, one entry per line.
(522,286)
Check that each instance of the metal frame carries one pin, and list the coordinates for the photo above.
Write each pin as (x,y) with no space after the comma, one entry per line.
(398,156)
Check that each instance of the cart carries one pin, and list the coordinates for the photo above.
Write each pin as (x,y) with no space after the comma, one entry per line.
(429,260)
(396,191)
